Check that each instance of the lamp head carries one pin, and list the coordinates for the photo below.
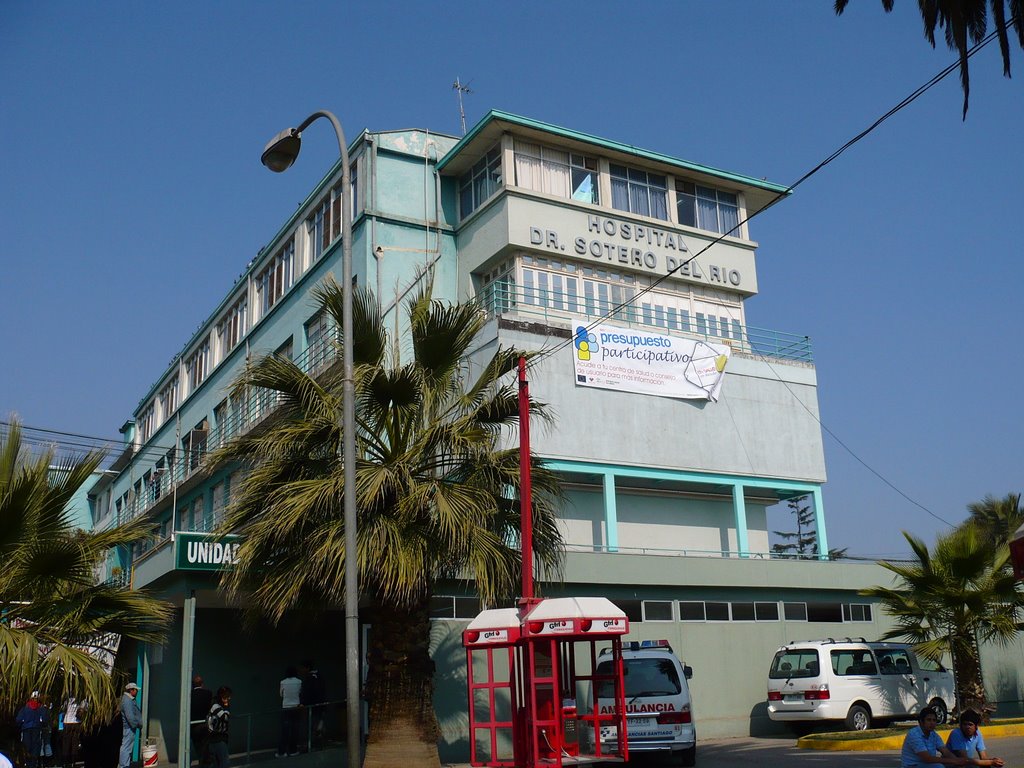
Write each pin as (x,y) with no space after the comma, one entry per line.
(281,151)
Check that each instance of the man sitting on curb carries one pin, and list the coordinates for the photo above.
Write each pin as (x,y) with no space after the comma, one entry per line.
(922,743)
(966,741)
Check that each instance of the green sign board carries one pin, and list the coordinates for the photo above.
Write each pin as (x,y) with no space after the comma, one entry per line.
(205,552)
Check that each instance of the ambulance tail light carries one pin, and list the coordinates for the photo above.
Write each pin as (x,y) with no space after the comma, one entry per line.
(817,694)
(774,695)
(673,718)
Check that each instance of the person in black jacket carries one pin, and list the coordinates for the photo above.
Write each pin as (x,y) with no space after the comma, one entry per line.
(199,708)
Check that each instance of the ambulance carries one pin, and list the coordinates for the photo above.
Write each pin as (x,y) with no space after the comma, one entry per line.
(659,714)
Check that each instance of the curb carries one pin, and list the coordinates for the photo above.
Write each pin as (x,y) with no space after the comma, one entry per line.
(836,743)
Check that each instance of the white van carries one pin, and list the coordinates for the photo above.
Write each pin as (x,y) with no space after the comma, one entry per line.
(659,715)
(854,681)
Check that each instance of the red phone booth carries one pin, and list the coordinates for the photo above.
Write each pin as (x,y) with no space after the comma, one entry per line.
(533,683)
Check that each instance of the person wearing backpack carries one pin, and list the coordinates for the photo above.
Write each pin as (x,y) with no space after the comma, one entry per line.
(30,722)
(217,724)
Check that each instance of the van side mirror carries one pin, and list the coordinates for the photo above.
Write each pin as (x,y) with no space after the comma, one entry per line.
(687,671)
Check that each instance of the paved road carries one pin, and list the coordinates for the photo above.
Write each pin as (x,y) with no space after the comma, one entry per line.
(768,753)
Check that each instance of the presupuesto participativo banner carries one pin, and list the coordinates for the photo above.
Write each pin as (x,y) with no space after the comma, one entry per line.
(632,360)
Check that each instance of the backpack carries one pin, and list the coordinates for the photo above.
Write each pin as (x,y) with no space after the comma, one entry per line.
(217,720)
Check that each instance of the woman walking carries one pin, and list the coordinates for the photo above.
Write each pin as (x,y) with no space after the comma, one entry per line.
(217,723)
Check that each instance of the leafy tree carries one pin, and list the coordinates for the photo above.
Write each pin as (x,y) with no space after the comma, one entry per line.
(965,23)
(435,493)
(996,519)
(53,610)
(952,599)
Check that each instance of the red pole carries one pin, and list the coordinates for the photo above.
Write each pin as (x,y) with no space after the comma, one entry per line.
(525,486)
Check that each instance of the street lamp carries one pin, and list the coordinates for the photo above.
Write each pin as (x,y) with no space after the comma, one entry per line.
(278,156)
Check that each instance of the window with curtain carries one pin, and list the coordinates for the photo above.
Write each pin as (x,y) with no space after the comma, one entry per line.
(556,172)
(707,208)
(639,192)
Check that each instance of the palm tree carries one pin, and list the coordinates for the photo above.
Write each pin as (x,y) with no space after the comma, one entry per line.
(952,599)
(996,519)
(55,616)
(435,491)
(965,22)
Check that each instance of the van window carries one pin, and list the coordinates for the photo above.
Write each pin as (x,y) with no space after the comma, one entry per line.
(893,661)
(644,677)
(794,662)
(857,662)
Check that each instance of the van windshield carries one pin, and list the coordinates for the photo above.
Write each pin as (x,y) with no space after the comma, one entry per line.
(794,662)
(644,677)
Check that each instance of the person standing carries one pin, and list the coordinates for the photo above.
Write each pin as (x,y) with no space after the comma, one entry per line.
(967,741)
(199,708)
(71,737)
(46,732)
(314,697)
(30,723)
(217,722)
(922,743)
(131,724)
(291,692)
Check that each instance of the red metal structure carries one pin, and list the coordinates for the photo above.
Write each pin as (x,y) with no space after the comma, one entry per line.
(533,681)
(530,668)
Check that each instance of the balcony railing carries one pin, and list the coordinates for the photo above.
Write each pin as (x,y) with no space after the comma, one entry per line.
(245,414)
(546,306)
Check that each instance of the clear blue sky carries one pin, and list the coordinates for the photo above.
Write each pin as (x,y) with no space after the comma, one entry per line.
(131,194)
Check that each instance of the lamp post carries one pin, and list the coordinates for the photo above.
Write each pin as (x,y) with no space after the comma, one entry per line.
(278,156)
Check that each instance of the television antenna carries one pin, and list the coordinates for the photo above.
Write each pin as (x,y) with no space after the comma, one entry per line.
(461,89)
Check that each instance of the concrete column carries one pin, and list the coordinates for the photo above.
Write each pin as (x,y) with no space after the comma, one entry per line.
(188,625)
(142,679)
(740,508)
(819,525)
(611,515)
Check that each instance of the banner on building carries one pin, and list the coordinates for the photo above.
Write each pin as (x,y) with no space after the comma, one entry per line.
(632,360)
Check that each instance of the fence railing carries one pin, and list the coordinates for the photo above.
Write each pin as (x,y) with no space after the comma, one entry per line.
(245,414)
(503,298)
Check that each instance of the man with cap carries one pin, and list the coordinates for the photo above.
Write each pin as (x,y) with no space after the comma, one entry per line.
(131,724)
(30,721)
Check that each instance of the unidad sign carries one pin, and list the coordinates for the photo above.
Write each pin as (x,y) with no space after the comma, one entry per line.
(205,552)
(631,360)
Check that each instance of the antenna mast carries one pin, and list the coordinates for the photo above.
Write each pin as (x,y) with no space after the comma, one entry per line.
(461,89)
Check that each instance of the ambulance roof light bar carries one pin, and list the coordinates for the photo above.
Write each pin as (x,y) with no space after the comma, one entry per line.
(643,645)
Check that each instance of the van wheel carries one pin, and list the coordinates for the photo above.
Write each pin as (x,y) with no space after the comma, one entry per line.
(858,718)
(941,711)
(689,757)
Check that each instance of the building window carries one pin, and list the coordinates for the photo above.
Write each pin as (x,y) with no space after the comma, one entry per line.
(707,208)
(856,612)
(232,327)
(146,422)
(276,278)
(639,192)
(353,186)
(482,181)
(319,348)
(452,607)
(766,611)
(197,366)
(657,610)
(824,612)
(632,608)
(716,611)
(168,399)
(324,226)
(742,611)
(556,172)
(691,610)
